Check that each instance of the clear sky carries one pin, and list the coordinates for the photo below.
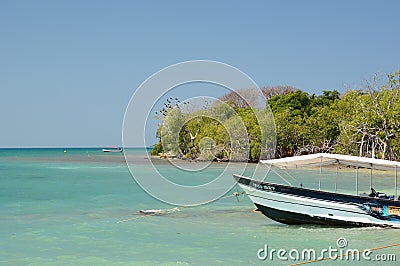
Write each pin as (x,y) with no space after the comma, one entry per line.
(69,68)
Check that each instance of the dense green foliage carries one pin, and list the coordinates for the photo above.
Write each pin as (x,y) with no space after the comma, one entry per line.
(358,122)
(304,124)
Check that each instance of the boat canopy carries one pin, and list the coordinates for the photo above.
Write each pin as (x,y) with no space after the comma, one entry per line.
(323,159)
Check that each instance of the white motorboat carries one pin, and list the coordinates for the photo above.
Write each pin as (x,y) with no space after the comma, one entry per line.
(112,149)
(290,204)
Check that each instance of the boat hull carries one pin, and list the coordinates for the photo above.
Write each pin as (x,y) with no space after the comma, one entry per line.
(292,205)
(294,218)
(112,150)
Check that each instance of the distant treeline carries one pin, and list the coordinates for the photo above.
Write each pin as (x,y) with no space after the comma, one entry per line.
(363,122)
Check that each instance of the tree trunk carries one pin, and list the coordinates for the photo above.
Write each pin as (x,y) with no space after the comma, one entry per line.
(361,145)
(384,149)
(373,149)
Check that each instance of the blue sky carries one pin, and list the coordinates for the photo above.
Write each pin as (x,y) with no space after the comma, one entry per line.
(69,68)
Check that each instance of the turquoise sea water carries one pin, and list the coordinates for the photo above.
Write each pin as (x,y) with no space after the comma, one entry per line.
(61,208)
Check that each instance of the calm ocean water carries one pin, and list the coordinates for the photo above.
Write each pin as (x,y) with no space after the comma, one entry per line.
(61,208)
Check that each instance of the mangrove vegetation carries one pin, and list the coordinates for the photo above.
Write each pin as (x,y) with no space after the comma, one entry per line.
(362,122)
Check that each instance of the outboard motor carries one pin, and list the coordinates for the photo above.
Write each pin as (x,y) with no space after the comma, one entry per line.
(373,193)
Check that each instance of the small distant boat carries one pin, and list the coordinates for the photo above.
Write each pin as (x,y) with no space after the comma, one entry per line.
(112,149)
(290,204)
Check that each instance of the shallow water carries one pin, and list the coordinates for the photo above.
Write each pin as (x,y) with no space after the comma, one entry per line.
(61,208)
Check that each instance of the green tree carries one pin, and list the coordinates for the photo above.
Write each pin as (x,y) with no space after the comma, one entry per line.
(359,122)
(369,121)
